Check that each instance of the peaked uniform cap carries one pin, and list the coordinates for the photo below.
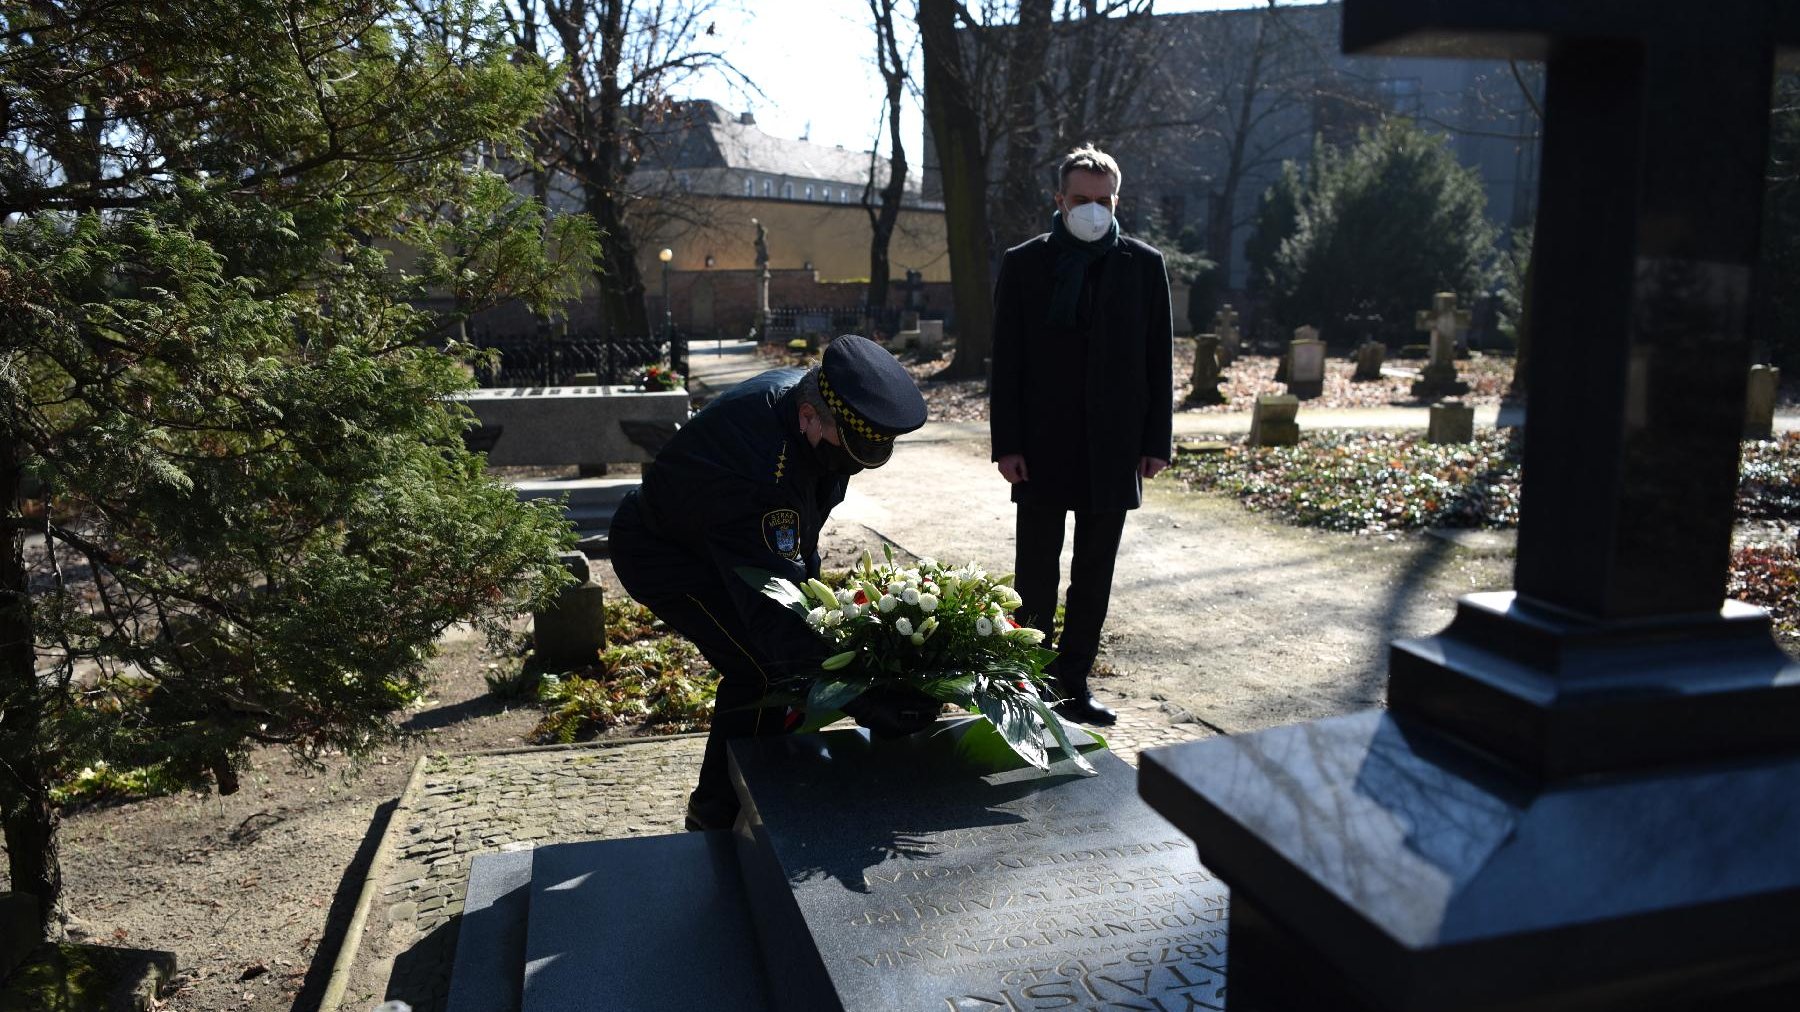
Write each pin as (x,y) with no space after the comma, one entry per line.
(870,395)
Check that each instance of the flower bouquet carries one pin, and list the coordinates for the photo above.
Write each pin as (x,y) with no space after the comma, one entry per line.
(659,378)
(946,633)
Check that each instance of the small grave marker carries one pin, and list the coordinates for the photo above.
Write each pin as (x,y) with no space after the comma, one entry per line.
(1370,355)
(1451,422)
(1306,364)
(1272,423)
(1206,371)
(1759,402)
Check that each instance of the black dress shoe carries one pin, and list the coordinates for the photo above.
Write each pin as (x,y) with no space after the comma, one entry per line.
(1085,709)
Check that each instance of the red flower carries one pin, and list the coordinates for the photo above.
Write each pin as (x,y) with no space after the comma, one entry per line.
(861,598)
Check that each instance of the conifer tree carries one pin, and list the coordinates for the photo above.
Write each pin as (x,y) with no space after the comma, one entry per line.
(239,509)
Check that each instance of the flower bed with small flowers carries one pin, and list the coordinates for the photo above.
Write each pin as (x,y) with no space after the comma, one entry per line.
(945,632)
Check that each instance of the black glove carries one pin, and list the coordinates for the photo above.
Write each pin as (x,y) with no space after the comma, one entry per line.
(893,713)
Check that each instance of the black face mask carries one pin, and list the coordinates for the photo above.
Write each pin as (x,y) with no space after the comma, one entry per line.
(834,459)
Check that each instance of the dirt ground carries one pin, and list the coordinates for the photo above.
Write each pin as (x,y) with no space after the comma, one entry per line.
(1239,620)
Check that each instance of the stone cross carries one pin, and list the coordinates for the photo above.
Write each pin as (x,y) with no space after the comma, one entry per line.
(1446,324)
(1638,735)
(1225,325)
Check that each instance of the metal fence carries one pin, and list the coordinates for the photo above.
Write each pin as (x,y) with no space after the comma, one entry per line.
(556,359)
(788,322)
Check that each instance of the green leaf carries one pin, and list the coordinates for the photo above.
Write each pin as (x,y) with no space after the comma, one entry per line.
(958,689)
(1017,726)
(1061,733)
(782,591)
(832,695)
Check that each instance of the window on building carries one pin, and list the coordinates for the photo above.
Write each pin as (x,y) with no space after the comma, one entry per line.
(809,191)
(768,187)
(843,196)
(687,182)
(749,187)
(787,191)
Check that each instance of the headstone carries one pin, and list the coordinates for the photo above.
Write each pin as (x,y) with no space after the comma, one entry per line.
(1444,322)
(1759,402)
(931,335)
(1370,356)
(571,632)
(1306,366)
(559,426)
(910,874)
(1451,422)
(1206,376)
(1581,795)
(1225,323)
(1272,422)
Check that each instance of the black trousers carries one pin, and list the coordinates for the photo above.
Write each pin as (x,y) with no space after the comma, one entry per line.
(685,591)
(1037,573)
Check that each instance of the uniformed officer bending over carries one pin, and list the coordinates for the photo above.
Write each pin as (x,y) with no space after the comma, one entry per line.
(749,481)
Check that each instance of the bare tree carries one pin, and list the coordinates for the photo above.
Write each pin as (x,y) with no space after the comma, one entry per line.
(1013,84)
(883,215)
(611,112)
(953,113)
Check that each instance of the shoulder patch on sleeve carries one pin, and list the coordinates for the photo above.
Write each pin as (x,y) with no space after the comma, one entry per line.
(781,532)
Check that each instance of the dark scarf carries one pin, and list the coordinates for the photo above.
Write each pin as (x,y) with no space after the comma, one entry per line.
(1073,258)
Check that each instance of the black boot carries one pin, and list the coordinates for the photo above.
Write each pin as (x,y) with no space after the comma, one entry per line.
(1079,704)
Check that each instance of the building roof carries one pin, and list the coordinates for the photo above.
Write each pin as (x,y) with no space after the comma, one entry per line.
(716,139)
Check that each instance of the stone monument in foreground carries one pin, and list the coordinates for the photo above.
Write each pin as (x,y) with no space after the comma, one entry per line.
(926,873)
(1585,794)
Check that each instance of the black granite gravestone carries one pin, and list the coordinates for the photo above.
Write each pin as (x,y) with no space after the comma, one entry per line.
(896,875)
(1585,793)
(930,873)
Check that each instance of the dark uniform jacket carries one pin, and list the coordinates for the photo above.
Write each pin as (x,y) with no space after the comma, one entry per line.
(738,485)
(1083,403)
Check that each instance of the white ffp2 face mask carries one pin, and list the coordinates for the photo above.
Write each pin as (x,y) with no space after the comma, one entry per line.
(1088,222)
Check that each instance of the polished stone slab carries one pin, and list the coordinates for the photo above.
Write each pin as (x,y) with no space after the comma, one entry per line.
(490,935)
(1428,878)
(918,874)
(648,923)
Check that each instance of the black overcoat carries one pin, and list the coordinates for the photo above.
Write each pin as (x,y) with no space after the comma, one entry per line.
(1083,403)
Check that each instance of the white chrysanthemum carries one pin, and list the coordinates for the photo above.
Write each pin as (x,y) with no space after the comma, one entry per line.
(845,596)
(851,609)
(927,562)
(903,626)
(896,587)
(887,603)
(816,617)
(834,618)
(910,596)
(928,603)
(983,627)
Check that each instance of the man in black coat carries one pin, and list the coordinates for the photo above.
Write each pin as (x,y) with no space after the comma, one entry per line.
(1080,405)
(749,482)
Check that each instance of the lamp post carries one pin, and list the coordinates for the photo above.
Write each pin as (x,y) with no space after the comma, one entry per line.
(677,348)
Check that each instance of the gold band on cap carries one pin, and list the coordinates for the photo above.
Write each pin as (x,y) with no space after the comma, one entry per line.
(846,416)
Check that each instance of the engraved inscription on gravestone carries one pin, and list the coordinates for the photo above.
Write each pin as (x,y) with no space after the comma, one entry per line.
(930,887)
